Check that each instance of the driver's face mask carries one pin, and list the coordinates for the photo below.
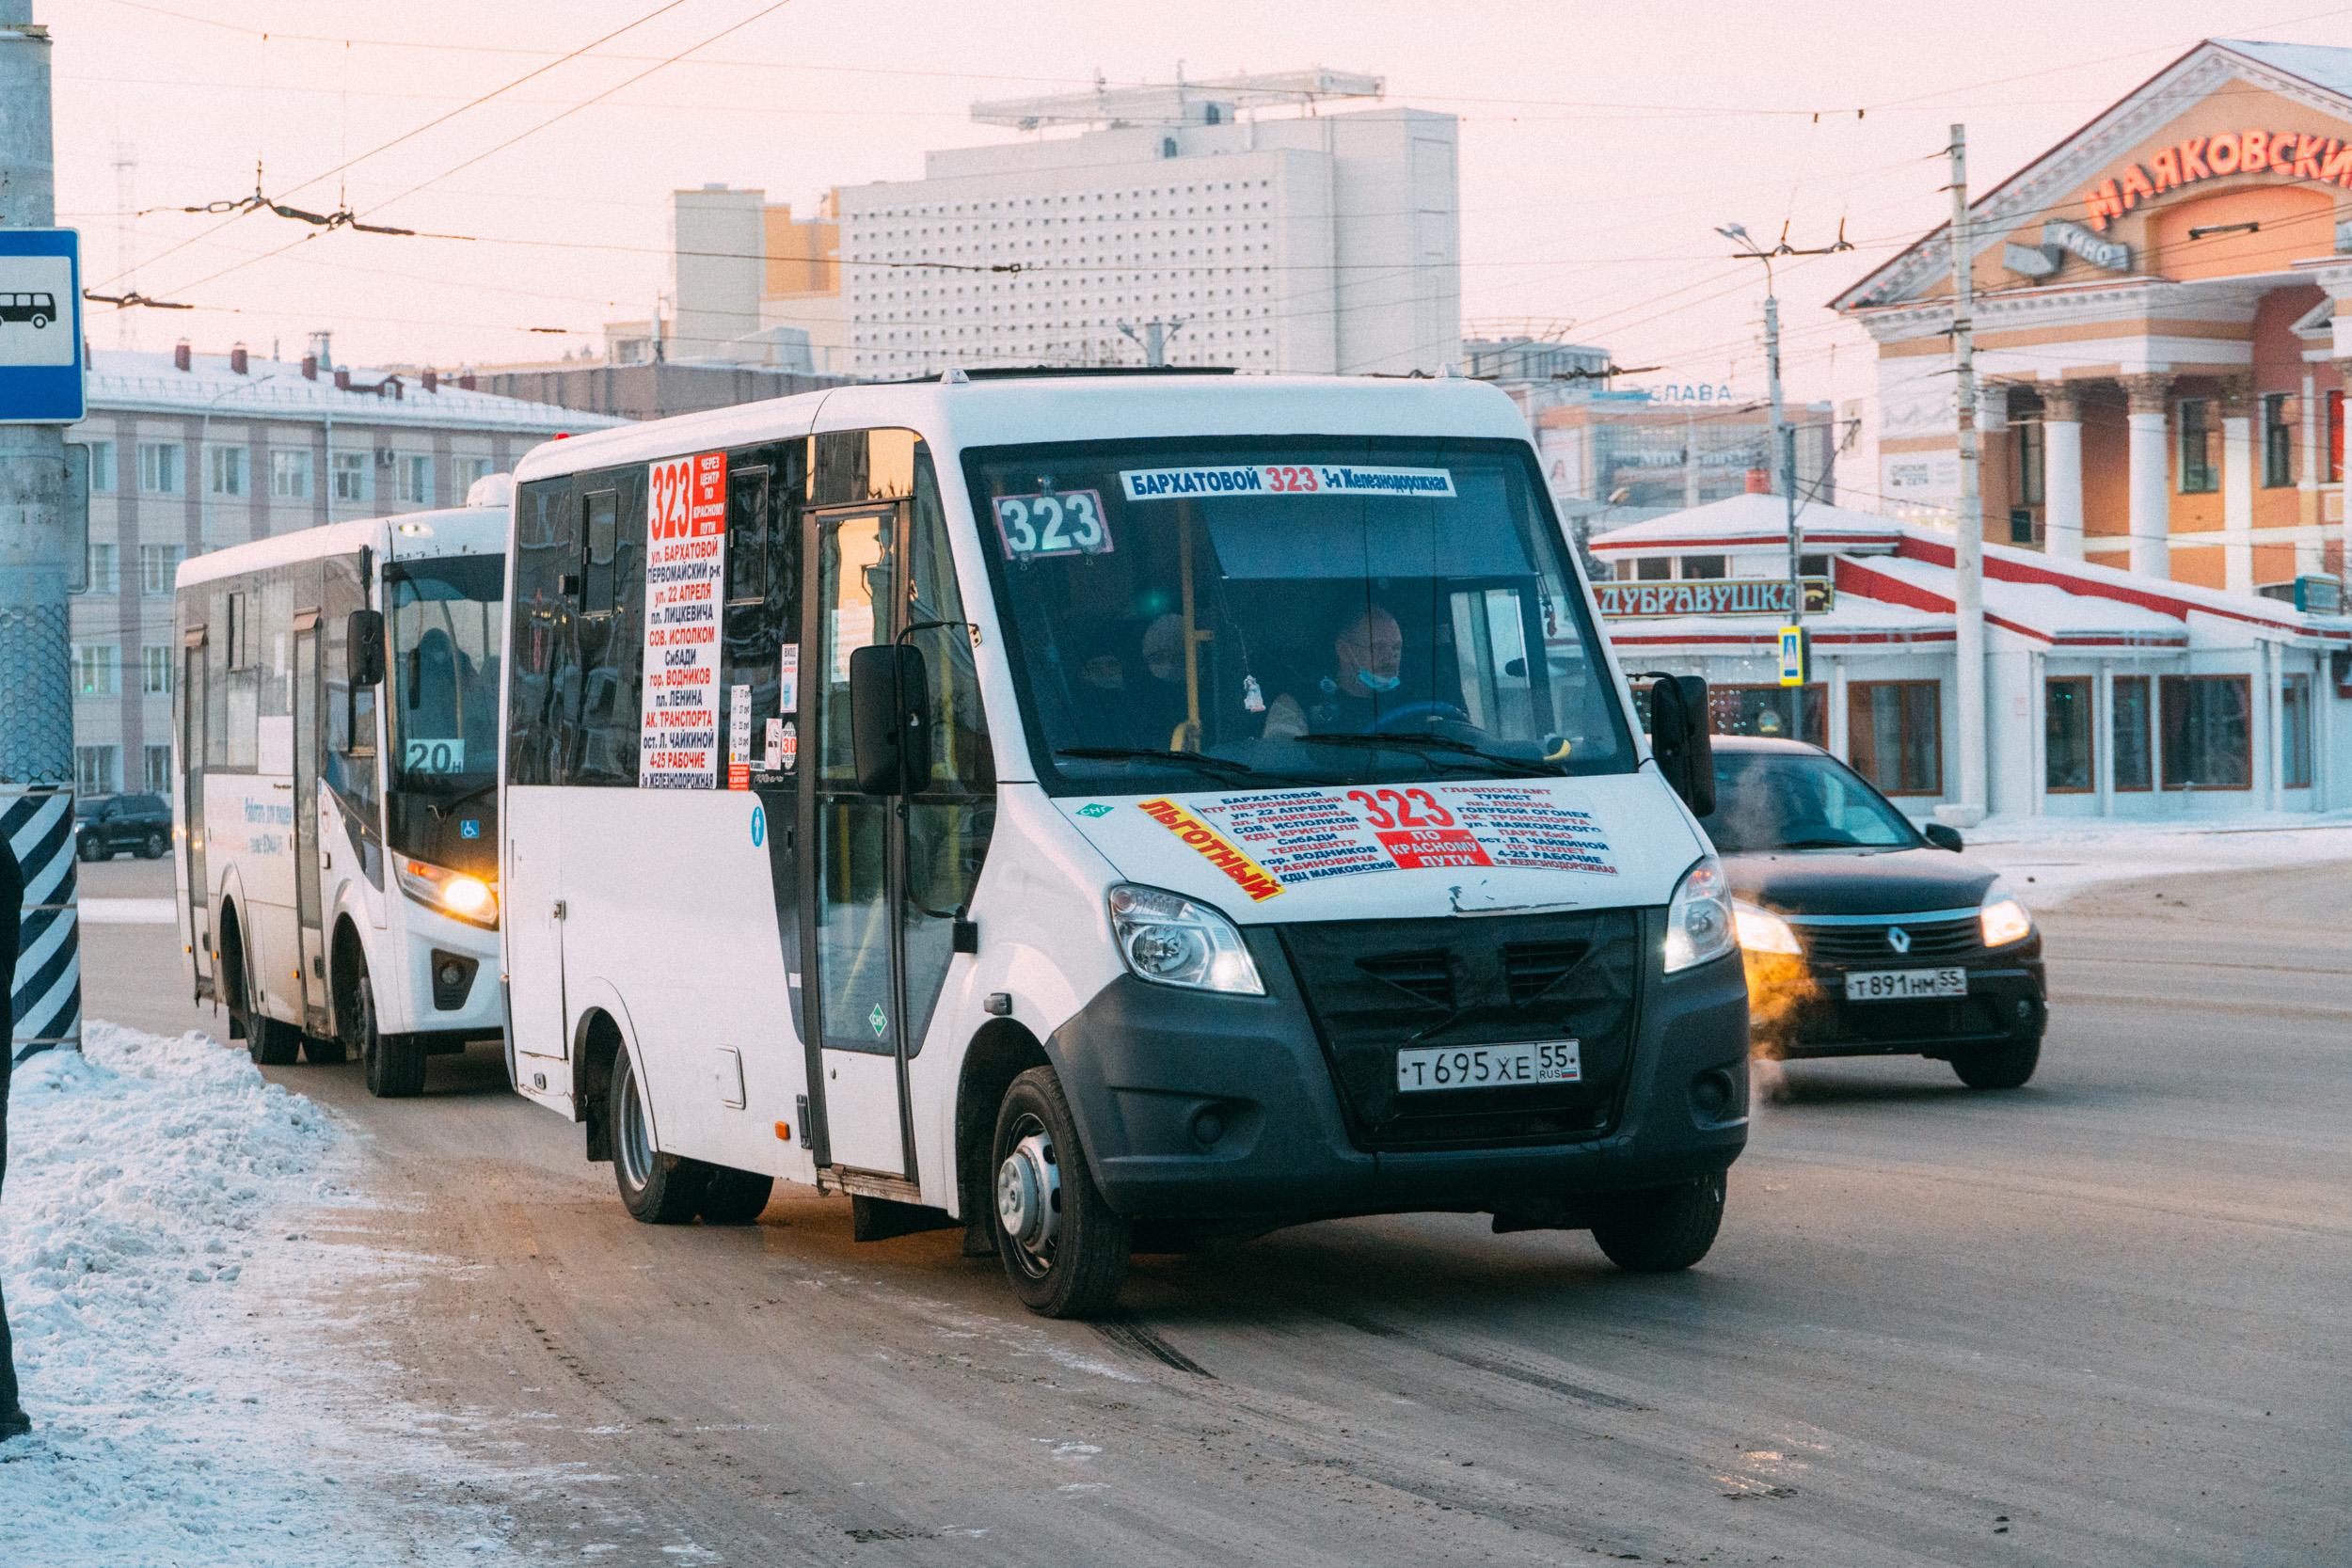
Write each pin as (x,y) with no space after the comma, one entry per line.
(1372,682)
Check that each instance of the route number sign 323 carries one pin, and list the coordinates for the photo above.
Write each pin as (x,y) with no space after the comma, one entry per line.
(1034,527)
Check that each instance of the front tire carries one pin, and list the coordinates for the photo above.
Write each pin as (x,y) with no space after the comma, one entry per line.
(90,849)
(656,1188)
(1662,1229)
(1065,1250)
(394,1068)
(1999,1067)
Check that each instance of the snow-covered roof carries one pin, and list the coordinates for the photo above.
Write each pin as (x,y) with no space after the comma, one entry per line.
(2318,64)
(1748,519)
(124,380)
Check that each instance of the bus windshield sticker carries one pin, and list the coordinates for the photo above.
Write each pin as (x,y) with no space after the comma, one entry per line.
(1034,527)
(434,755)
(1304,835)
(685,561)
(1251,877)
(789,678)
(738,737)
(1285,479)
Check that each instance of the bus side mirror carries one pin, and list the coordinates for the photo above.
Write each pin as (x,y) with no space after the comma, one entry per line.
(364,648)
(1678,740)
(890,735)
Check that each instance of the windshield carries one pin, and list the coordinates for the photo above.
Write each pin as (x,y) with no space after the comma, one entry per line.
(1199,613)
(1768,801)
(443,633)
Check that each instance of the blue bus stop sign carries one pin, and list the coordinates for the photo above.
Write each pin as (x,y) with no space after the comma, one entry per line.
(41,326)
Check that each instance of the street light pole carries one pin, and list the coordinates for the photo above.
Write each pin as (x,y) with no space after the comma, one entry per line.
(1968,544)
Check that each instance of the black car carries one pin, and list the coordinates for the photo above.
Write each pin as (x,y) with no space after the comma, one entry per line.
(1865,936)
(106,825)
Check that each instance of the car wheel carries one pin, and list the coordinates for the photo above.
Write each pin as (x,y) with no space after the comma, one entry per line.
(1663,1228)
(1064,1248)
(155,846)
(1998,1067)
(89,848)
(735,1197)
(657,1188)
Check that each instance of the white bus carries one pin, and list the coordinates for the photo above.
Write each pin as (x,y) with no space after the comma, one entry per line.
(1104,813)
(335,790)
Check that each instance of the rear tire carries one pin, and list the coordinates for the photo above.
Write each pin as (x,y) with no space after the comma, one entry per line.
(153,849)
(1065,1250)
(1999,1067)
(656,1188)
(735,1197)
(1663,1228)
(393,1066)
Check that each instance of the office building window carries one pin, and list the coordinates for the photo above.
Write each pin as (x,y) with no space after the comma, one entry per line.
(97,669)
(155,671)
(2200,472)
(351,476)
(2128,732)
(159,468)
(2208,732)
(224,471)
(102,468)
(2069,761)
(290,475)
(98,769)
(159,566)
(2295,733)
(471,469)
(415,471)
(105,562)
(1769,710)
(2278,441)
(2030,449)
(1895,734)
(158,770)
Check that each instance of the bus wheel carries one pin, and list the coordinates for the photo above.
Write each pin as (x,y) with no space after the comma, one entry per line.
(269,1043)
(735,1197)
(394,1068)
(1663,1228)
(657,1188)
(1064,1248)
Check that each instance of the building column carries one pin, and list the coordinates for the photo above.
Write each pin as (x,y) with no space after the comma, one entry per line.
(1839,738)
(2062,470)
(2307,473)
(2270,675)
(2237,483)
(2343,374)
(2151,512)
(2037,731)
(2102,736)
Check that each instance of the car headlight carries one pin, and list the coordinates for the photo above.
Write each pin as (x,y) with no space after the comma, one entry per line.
(1762,931)
(2003,919)
(458,893)
(1699,922)
(1170,940)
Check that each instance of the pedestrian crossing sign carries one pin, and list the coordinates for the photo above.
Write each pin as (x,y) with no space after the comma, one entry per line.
(1793,652)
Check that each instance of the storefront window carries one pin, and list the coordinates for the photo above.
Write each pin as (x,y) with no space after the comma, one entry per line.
(2278,441)
(2208,737)
(2129,733)
(2069,765)
(1653,568)
(1703,567)
(2295,733)
(2200,473)
(1894,731)
(1769,710)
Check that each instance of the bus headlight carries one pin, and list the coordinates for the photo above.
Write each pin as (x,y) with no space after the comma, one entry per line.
(1762,931)
(2003,919)
(1699,924)
(1170,940)
(458,893)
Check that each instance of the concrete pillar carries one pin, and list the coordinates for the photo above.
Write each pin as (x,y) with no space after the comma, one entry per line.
(2037,731)
(2343,375)
(2307,479)
(2151,512)
(2062,470)
(1839,738)
(2270,704)
(2103,736)
(2237,483)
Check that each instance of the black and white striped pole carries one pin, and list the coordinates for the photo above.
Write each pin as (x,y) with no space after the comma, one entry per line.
(36,556)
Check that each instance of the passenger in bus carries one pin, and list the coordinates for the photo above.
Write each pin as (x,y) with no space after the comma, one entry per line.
(1366,662)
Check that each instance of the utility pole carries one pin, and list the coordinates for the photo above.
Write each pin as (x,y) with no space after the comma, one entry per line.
(1154,338)
(1968,549)
(36,683)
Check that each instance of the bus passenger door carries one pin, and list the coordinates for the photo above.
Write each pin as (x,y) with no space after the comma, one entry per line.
(308,742)
(532,914)
(854,1000)
(194,737)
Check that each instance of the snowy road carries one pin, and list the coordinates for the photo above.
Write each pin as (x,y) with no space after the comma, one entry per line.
(2100,1320)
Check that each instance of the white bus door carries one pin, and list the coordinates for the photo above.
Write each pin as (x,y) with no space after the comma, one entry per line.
(309,743)
(856,998)
(192,739)
(533,913)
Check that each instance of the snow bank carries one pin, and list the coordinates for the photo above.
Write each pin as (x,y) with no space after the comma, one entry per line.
(2047,860)
(151,1280)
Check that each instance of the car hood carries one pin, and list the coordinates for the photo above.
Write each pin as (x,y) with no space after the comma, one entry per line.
(1874,882)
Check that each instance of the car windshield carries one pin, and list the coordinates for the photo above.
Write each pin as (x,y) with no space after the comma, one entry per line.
(443,631)
(1796,801)
(1199,614)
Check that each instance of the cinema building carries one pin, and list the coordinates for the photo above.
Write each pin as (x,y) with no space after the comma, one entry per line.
(2162,333)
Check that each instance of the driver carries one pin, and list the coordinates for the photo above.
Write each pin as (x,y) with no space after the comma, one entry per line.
(1367,653)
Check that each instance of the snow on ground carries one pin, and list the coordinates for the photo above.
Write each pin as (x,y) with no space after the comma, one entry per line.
(196,1402)
(2049,859)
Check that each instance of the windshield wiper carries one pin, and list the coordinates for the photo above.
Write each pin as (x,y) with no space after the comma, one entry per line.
(1829,844)
(1145,754)
(1431,743)
(441,809)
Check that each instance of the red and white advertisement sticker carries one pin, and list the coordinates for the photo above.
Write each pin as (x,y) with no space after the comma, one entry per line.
(686,570)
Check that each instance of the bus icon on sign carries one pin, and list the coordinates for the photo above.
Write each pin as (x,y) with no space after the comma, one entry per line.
(36,310)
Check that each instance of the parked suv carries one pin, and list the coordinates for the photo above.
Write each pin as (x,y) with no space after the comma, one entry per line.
(107,825)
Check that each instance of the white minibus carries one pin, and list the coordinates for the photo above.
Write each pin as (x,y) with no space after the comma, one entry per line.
(335,788)
(1105,813)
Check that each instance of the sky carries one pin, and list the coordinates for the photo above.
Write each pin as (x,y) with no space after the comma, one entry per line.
(1600,145)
